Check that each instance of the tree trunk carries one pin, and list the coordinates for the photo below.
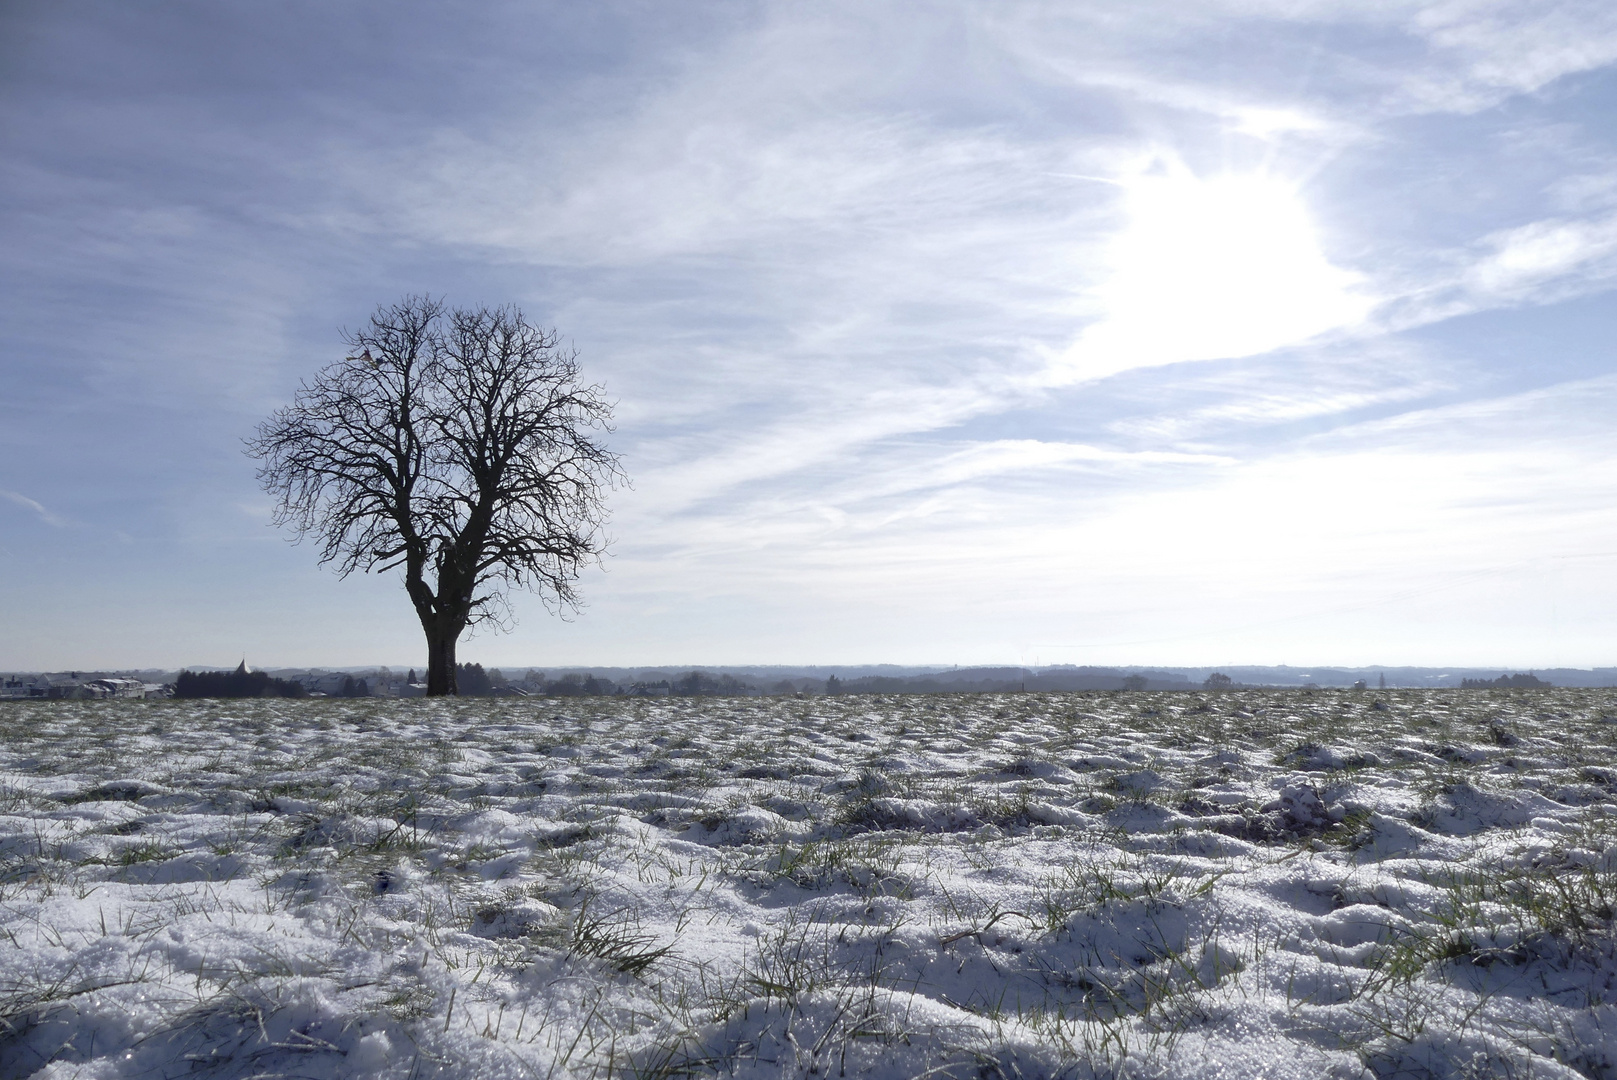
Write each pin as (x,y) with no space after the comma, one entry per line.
(441,662)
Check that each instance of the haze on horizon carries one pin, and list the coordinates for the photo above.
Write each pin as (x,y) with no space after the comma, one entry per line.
(1115,333)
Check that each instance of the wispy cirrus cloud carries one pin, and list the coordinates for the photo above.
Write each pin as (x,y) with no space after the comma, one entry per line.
(1537,264)
(44,514)
(1360,63)
(1261,407)
(1498,48)
(1545,260)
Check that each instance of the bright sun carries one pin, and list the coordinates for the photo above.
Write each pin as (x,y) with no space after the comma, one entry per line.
(1205,269)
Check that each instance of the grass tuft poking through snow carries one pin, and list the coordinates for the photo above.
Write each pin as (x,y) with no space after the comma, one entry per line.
(1415,884)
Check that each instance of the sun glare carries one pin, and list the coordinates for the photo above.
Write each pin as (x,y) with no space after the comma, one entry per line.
(1207,269)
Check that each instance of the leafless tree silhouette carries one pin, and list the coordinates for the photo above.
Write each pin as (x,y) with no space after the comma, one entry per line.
(458,445)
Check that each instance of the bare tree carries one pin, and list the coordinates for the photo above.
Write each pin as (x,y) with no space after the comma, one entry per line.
(457,445)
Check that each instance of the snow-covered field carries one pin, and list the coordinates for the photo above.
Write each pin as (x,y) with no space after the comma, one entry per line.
(1247,884)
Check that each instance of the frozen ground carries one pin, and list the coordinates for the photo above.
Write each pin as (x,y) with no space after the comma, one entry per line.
(1249,884)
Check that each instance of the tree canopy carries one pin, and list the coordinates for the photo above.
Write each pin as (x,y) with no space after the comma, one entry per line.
(240,683)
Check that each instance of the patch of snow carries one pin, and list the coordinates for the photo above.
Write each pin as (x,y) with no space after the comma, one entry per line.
(1019,885)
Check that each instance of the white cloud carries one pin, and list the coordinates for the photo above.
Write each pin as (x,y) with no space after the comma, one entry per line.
(768,175)
(45,515)
(1552,255)
(1260,406)
(1542,262)
(1027,456)
(1440,536)
(1506,47)
(1413,56)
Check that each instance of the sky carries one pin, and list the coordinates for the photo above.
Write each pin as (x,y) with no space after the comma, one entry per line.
(1133,332)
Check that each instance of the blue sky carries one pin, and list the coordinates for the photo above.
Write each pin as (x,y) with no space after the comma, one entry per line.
(1133,332)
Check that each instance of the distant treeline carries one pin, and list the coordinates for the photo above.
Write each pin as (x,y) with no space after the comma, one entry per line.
(708,684)
(240,683)
(473,681)
(995,681)
(701,684)
(1506,682)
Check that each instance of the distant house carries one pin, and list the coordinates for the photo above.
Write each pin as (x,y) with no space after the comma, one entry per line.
(335,684)
(115,688)
(327,683)
(73,686)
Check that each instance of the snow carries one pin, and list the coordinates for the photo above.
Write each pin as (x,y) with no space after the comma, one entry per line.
(1241,884)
